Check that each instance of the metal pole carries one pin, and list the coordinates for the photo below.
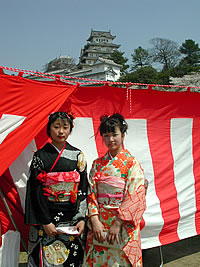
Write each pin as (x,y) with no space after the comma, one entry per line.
(161,256)
(12,219)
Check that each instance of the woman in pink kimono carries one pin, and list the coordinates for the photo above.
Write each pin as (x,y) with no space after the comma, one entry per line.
(116,202)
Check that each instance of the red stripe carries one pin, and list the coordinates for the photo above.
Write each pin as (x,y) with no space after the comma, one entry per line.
(41,261)
(12,198)
(101,148)
(196,168)
(161,153)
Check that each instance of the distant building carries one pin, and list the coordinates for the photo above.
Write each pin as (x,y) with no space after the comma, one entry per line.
(63,62)
(102,69)
(94,60)
(99,44)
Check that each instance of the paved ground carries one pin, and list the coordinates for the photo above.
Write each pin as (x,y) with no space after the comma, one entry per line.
(185,253)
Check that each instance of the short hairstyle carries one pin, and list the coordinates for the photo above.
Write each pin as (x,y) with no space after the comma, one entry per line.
(59,115)
(108,123)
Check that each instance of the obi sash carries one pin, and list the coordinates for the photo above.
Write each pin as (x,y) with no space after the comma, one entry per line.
(110,189)
(61,186)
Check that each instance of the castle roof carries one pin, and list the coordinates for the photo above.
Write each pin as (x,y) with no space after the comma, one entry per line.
(100,34)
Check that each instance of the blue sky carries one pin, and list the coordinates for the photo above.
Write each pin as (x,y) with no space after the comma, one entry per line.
(34,32)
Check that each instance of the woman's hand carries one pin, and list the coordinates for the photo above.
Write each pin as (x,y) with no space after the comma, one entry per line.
(113,233)
(97,228)
(80,227)
(50,229)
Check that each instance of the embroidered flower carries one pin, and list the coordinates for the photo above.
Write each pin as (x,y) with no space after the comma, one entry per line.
(57,246)
(40,232)
(37,163)
(67,251)
(76,247)
(75,253)
(60,260)
(99,249)
(81,162)
(71,238)
(56,218)
(45,248)
(105,161)
(92,196)
(99,168)
(104,215)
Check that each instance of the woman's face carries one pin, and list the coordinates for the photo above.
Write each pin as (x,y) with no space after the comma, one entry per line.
(59,131)
(114,141)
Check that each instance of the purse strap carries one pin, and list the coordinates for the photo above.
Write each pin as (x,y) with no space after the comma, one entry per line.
(58,157)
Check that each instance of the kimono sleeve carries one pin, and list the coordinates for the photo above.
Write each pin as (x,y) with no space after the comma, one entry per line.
(36,209)
(82,189)
(92,193)
(134,204)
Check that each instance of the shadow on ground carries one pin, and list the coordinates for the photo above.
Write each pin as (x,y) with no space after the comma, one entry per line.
(182,253)
(185,253)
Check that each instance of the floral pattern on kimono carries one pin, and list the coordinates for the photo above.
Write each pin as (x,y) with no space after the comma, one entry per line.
(122,180)
(57,196)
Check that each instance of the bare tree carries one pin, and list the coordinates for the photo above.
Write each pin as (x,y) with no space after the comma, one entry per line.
(166,52)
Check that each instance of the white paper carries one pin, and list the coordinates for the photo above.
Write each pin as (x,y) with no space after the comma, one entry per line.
(67,230)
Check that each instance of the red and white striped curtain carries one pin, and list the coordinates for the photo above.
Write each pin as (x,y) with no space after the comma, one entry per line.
(163,134)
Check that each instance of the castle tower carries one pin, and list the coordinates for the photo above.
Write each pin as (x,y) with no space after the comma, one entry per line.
(99,44)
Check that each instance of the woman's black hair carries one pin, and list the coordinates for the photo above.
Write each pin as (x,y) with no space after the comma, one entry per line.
(108,123)
(59,115)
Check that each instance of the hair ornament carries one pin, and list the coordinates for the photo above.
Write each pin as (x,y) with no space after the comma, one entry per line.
(71,114)
(104,117)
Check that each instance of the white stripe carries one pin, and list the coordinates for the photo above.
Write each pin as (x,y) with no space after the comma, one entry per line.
(137,143)
(181,141)
(9,123)
(82,137)
(19,170)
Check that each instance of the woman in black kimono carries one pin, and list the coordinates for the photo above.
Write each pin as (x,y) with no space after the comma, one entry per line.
(56,196)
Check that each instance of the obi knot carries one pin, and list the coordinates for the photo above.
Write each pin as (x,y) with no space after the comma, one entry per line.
(57,194)
(42,176)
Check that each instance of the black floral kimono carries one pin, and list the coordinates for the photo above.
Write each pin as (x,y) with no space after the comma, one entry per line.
(56,196)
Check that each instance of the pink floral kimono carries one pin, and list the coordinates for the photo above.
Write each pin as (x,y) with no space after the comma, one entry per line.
(117,191)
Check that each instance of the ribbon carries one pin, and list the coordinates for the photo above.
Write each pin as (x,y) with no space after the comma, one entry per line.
(73,196)
(49,192)
(42,177)
(57,194)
